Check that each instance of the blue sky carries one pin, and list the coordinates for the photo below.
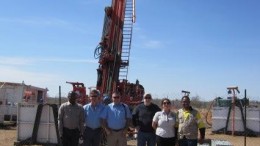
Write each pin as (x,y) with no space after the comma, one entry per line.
(203,46)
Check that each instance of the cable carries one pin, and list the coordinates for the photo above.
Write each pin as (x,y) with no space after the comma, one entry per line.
(210,124)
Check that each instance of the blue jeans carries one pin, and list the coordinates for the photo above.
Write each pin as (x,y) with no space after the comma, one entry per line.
(188,142)
(146,137)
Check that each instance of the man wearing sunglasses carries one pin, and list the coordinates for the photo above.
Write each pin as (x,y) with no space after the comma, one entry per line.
(115,119)
(142,121)
(92,111)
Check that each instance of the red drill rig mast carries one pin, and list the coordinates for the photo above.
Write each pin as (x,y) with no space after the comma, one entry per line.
(114,51)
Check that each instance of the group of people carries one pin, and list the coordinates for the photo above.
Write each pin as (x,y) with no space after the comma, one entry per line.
(154,125)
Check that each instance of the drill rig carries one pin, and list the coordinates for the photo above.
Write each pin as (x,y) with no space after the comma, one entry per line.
(113,53)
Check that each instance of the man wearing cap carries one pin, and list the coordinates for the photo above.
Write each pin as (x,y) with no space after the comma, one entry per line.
(71,121)
(92,111)
(142,121)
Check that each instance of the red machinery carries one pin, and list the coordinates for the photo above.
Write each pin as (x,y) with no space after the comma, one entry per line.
(113,52)
(81,90)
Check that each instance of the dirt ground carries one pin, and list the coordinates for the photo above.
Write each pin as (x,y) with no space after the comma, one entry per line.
(8,137)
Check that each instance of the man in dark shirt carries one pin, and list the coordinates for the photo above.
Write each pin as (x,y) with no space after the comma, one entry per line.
(142,121)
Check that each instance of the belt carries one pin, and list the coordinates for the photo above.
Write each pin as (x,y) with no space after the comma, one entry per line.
(117,130)
(93,128)
(68,129)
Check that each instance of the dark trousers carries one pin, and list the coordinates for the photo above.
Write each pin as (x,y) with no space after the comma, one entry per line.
(188,142)
(160,141)
(70,137)
(92,136)
(146,137)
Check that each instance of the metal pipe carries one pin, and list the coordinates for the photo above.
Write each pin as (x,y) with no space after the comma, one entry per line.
(233,89)
(233,112)
(245,121)
(134,16)
(59,95)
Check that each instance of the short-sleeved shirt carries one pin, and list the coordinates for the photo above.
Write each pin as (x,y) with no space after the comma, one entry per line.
(116,115)
(92,115)
(143,117)
(165,124)
(71,116)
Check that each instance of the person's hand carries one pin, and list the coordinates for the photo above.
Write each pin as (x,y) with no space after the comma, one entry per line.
(201,140)
(137,129)
(125,131)
(81,136)
(107,131)
(81,139)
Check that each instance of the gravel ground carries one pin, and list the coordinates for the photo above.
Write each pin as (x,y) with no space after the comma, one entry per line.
(8,137)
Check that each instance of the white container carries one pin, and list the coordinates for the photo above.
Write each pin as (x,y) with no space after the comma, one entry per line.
(238,122)
(253,119)
(2,113)
(25,123)
(220,143)
(1,118)
(220,115)
(219,118)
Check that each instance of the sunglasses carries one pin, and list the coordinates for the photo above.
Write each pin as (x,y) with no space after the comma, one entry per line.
(116,97)
(94,96)
(148,97)
(168,103)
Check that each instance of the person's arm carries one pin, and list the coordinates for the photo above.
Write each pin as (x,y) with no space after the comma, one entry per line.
(81,120)
(105,126)
(154,125)
(135,117)
(202,129)
(128,119)
(202,133)
(155,120)
(103,120)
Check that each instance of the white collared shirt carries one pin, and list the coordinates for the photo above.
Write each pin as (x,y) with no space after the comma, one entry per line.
(165,124)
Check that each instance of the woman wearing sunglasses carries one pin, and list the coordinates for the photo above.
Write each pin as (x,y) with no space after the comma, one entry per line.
(164,123)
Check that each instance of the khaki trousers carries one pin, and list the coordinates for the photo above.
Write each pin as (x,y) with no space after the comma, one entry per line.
(116,138)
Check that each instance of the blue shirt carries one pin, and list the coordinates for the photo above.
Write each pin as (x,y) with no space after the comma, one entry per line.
(116,115)
(92,115)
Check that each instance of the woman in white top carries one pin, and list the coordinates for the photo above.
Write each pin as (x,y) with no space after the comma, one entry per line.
(164,123)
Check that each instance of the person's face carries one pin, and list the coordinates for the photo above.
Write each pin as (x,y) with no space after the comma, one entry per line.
(116,98)
(185,102)
(166,105)
(73,99)
(147,99)
(94,99)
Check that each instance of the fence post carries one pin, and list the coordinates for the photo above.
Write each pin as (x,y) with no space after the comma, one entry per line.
(245,121)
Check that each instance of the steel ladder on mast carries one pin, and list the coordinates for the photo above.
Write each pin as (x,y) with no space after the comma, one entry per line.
(129,19)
